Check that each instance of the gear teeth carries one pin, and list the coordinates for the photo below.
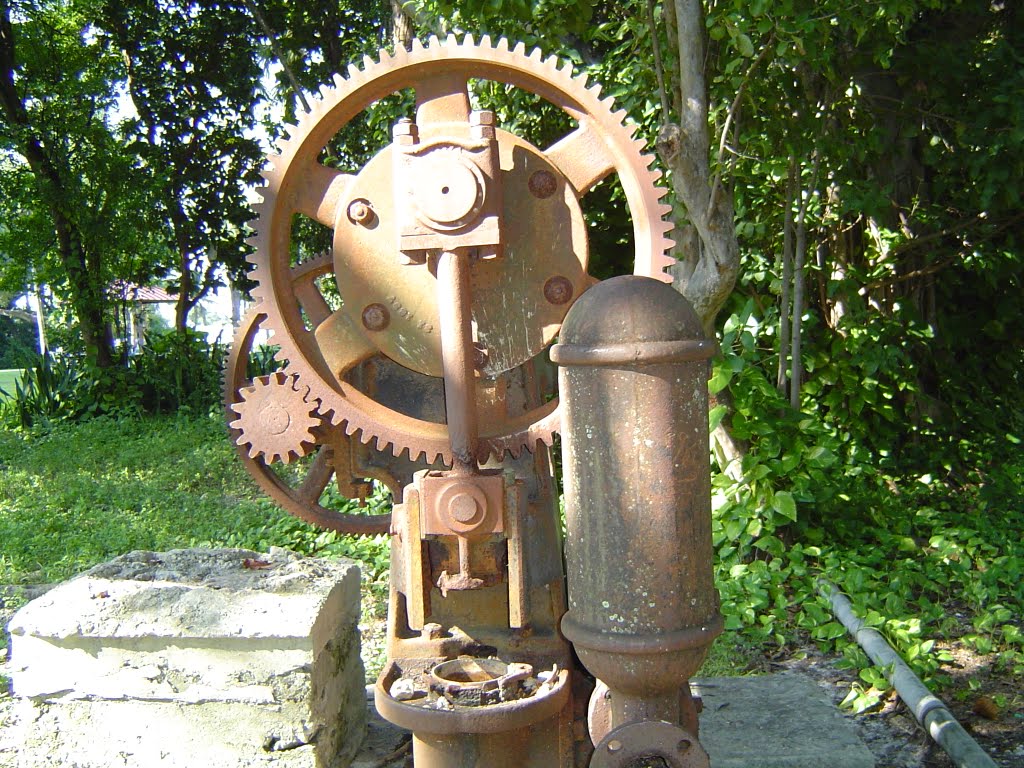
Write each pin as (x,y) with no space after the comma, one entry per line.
(485,42)
(451,41)
(261,209)
(467,41)
(536,55)
(417,45)
(595,91)
(520,49)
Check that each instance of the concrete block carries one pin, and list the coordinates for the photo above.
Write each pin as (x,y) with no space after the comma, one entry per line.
(217,658)
(775,721)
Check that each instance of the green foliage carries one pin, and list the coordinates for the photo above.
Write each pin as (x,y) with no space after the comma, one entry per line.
(910,523)
(174,372)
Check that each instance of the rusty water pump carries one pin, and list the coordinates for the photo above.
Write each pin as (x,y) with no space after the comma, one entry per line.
(416,354)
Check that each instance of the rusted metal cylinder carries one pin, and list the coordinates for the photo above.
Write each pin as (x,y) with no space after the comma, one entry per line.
(643,608)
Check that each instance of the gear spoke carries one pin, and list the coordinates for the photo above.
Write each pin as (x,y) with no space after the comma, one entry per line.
(582,157)
(321,470)
(303,281)
(318,198)
(443,98)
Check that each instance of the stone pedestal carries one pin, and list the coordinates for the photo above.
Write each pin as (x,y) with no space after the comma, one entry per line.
(193,658)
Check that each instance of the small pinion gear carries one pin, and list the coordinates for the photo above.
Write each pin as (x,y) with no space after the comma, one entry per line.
(275,420)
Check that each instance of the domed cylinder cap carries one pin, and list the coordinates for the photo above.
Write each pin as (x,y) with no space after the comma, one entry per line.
(631,320)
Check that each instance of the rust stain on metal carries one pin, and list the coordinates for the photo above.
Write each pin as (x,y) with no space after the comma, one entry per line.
(543,184)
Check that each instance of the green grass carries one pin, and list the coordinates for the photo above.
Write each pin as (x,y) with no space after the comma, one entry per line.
(84,493)
(7,379)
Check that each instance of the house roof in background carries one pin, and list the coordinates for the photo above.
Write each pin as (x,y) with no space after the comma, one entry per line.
(142,294)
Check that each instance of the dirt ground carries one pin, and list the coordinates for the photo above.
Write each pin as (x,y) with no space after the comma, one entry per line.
(990,707)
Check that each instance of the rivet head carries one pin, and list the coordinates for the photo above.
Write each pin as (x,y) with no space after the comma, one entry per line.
(360,211)
(376,317)
(558,290)
(464,509)
(543,184)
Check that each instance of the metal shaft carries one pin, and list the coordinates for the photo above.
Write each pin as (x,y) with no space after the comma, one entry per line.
(455,302)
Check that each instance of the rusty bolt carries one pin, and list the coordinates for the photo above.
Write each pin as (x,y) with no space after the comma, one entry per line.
(482,124)
(405,132)
(376,317)
(275,419)
(481,117)
(360,211)
(431,631)
(558,290)
(543,184)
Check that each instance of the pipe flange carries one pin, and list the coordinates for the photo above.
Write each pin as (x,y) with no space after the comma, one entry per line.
(635,741)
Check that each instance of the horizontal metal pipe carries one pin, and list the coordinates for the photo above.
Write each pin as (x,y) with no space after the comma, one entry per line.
(930,711)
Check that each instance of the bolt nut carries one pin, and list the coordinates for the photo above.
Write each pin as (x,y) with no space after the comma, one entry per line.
(405,132)
(481,117)
(376,317)
(360,211)
(432,631)
(558,290)
(543,184)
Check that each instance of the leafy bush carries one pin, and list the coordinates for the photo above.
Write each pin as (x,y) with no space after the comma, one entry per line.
(46,392)
(838,490)
(174,372)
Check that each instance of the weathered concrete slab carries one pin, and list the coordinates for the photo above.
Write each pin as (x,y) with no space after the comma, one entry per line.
(193,658)
(775,721)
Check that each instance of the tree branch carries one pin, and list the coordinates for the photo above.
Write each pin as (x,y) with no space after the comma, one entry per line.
(659,67)
(731,116)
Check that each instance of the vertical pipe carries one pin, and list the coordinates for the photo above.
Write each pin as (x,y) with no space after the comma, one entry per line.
(643,608)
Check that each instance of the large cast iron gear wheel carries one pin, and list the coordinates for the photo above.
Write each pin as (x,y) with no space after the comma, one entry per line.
(274,419)
(298,183)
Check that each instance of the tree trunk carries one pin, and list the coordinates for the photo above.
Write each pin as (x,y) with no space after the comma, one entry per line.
(709,264)
(84,270)
(401,25)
